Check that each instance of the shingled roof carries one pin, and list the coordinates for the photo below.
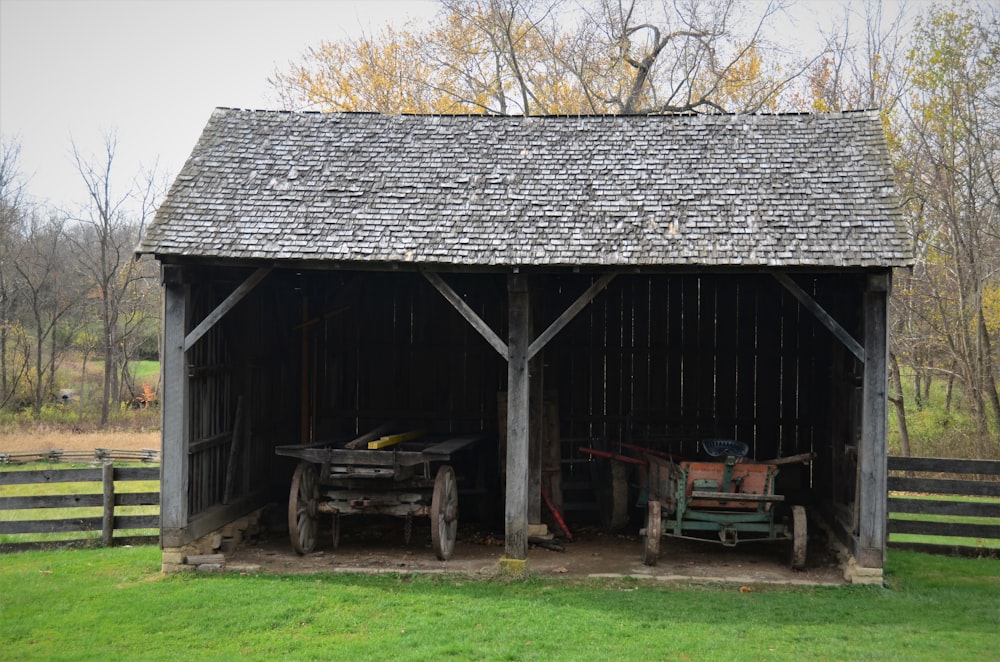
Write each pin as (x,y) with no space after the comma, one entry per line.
(714,190)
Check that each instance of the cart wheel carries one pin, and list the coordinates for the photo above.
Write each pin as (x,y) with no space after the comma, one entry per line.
(799,537)
(651,540)
(336,530)
(302,501)
(444,513)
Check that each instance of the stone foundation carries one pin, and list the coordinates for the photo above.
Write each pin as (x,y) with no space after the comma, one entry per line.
(207,553)
(856,574)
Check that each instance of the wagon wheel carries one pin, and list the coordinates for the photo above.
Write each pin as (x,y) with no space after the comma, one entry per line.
(336,530)
(651,540)
(444,513)
(799,537)
(302,502)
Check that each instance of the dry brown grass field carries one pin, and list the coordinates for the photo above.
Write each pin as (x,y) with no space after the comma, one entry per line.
(43,439)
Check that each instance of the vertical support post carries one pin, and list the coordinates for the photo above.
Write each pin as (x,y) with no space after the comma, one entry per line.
(872,484)
(535,433)
(108,516)
(518,415)
(175,430)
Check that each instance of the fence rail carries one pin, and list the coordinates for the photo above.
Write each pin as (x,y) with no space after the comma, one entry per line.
(96,455)
(108,500)
(929,493)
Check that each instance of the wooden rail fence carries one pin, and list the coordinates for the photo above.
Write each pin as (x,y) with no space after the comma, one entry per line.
(98,454)
(940,490)
(108,500)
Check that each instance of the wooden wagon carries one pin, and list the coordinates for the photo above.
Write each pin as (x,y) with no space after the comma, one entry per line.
(405,475)
(722,501)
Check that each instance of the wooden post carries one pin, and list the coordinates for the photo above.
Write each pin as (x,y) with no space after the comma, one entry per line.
(518,405)
(871,489)
(175,425)
(108,518)
(535,440)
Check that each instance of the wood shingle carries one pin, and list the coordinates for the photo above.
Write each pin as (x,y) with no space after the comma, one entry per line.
(481,191)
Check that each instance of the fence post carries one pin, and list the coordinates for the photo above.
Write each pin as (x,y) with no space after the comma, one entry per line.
(108,521)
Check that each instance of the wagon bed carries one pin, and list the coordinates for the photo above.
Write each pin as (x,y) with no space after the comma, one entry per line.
(410,477)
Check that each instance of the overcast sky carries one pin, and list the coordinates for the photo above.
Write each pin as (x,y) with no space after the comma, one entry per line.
(153,70)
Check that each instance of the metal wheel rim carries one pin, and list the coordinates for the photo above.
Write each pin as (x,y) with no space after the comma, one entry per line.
(302,520)
(444,513)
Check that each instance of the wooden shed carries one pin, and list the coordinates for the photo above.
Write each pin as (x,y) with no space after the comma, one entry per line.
(659,278)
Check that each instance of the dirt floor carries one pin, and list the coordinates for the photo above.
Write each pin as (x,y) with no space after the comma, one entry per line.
(378,547)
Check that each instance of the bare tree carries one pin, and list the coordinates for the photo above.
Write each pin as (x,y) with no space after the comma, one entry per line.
(950,165)
(13,354)
(111,224)
(50,290)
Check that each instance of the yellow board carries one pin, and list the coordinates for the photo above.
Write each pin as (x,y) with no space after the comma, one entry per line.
(391,439)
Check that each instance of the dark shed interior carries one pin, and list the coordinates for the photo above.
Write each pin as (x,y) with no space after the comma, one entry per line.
(659,360)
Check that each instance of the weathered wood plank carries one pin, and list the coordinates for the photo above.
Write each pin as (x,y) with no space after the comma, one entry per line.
(675,349)
(10,547)
(691,359)
(51,501)
(50,476)
(213,518)
(872,455)
(518,392)
(137,473)
(954,529)
(108,517)
(76,524)
(944,465)
(767,389)
(967,551)
(128,522)
(176,425)
(726,329)
(137,498)
(944,486)
(746,359)
(950,508)
(708,355)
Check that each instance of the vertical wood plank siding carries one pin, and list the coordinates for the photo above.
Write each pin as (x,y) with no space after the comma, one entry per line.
(660,360)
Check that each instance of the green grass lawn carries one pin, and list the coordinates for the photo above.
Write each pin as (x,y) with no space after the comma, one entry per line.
(145,372)
(114,604)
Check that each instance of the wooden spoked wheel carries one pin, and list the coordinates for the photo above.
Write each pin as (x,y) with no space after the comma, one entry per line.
(444,513)
(302,502)
(651,539)
(336,531)
(800,538)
